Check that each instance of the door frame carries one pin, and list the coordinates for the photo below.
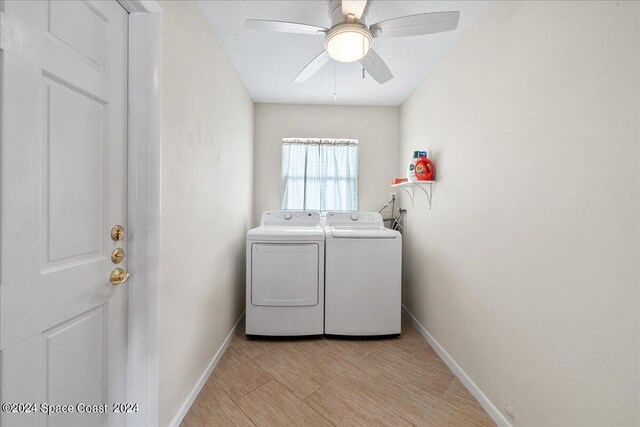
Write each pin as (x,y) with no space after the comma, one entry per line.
(143,208)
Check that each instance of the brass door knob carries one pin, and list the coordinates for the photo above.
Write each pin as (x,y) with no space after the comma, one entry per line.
(118,276)
(117,255)
(117,232)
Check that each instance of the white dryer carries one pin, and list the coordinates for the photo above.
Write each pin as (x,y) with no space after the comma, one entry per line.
(363,272)
(285,275)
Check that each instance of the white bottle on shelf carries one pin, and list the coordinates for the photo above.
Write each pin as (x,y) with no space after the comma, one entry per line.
(411,173)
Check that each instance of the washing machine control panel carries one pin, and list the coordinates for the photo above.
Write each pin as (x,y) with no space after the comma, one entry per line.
(360,218)
(300,218)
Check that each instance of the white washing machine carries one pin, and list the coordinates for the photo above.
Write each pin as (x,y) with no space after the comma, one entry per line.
(363,272)
(285,275)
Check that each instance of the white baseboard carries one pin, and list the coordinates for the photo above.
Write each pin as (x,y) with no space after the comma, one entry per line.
(204,377)
(489,407)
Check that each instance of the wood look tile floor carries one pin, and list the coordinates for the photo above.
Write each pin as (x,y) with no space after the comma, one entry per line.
(328,381)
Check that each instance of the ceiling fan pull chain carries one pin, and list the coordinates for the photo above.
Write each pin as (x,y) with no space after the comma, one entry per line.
(335,77)
(363,53)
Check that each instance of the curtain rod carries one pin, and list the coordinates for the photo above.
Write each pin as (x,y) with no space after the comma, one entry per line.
(320,141)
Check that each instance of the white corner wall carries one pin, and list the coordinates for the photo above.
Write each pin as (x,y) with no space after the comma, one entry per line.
(526,270)
(206,201)
(376,128)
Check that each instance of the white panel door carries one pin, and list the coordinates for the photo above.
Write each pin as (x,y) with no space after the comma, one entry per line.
(63,180)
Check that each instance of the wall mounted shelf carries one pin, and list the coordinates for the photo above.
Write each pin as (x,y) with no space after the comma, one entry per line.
(409,187)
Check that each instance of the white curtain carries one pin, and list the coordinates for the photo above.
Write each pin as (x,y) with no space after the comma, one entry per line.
(320,174)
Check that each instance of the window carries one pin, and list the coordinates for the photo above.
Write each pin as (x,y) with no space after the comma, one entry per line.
(320,174)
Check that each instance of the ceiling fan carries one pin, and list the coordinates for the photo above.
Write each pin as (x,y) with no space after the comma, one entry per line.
(349,39)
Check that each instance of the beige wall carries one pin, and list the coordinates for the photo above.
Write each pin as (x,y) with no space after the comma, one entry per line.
(527,268)
(376,128)
(206,201)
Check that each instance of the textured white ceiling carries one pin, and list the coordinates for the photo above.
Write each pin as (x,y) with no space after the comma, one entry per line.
(268,62)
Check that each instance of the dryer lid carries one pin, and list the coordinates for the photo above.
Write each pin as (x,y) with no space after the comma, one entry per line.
(286,233)
(288,225)
(291,218)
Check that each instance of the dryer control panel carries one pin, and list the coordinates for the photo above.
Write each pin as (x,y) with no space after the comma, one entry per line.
(283,218)
(370,219)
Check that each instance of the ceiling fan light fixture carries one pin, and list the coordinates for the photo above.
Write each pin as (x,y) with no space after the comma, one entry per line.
(348,42)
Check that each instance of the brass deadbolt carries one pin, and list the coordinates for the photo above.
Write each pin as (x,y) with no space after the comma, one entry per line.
(117,255)
(117,232)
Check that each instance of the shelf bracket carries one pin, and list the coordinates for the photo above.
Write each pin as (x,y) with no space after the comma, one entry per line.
(411,195)
(425,186)
(427,192)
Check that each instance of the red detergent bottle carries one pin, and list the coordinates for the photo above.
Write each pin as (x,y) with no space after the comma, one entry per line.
(424,168)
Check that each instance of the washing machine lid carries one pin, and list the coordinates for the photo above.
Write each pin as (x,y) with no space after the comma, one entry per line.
(288,225)
(357,225)
(340,232)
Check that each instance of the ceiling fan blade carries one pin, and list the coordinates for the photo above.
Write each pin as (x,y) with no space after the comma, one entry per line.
(312,67)
(376,67)
(353,7)
(415,25)
(285,27)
